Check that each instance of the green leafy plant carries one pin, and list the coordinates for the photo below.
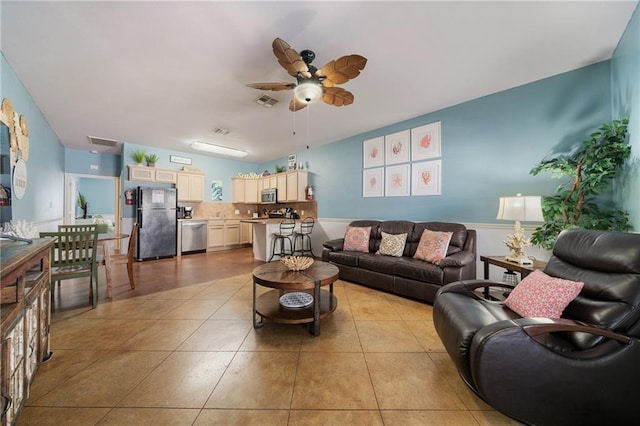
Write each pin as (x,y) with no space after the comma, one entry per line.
(280,169)
(151,159)
(138,155)
(586,174)
(83,204)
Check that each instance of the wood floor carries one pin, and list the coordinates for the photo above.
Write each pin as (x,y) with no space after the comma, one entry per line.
(180,349)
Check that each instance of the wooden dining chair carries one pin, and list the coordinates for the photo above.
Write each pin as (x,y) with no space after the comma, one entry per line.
(73,255)
(128,257)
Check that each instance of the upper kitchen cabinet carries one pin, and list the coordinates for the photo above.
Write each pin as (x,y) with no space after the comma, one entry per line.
(190,186)
(151,174)
(245,190)
(297,182)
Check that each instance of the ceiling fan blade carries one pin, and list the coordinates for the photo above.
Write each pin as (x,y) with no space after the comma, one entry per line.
(272,86)
(337,96)
(296,105)
(342,69)
(289,58)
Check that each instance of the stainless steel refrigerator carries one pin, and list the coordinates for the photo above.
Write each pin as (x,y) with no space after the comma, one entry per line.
(157,220)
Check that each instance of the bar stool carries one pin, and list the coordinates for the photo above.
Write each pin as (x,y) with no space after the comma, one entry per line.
(306,227)
(286,233)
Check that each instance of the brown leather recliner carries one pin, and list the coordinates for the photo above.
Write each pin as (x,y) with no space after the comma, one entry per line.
(582,369)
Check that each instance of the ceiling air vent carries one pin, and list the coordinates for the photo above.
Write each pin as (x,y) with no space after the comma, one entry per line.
(221,131)
(103,142)
(266,101)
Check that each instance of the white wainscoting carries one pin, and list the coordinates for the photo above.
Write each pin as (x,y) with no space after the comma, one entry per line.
(490,237)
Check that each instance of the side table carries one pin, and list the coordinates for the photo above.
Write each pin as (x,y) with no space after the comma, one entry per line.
(501,262)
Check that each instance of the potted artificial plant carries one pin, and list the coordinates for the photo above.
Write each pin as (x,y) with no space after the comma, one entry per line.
(82,203)
(138,155)
(151,159)
(590,170)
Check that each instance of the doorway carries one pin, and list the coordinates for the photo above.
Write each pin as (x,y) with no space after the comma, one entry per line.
(102,194)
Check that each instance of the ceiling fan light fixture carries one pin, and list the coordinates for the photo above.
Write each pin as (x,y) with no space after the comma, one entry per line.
(308,92)
(217,149)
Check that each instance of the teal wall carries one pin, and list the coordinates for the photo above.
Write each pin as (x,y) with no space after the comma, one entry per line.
(625,88)
(43,198)
(80,162)
(489,145)
(99,196)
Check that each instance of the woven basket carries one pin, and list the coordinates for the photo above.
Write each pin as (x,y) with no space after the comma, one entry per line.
(297,263)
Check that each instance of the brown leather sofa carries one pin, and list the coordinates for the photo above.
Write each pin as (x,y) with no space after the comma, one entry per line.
(581,369)
(405,275)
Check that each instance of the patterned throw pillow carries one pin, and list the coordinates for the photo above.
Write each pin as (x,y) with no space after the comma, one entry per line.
(356,238)
(433,246)
(392,245)
(540,296)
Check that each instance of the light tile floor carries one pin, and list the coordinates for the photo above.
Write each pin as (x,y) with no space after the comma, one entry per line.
(190,356)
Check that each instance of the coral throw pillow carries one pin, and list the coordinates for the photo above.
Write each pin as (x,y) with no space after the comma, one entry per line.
(540,296)
(433,246)
(356,238)
(392,245)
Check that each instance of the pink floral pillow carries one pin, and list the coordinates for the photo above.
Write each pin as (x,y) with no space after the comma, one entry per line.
(356,238)
(540,296)
(433,246)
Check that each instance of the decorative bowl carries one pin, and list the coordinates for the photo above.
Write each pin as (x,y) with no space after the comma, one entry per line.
(297,263)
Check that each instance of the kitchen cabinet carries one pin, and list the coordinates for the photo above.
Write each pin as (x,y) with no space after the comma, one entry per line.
(231,232)
(166,176)
(215,234)
(246,233)
(245,190)
(151,174)
(282,187)
(24,320)
(291,186)
(296,184)
(190,186)
(223,233)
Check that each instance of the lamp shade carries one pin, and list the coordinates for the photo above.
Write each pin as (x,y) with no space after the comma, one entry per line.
(522,208)
(308,92)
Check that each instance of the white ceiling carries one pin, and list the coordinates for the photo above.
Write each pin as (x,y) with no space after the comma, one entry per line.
(167,73)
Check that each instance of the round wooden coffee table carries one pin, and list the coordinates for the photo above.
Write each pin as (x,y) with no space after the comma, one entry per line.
(276,275)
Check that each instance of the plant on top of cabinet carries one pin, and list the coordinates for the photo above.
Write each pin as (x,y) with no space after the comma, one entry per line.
(280,169)
(151,159)
(138,155)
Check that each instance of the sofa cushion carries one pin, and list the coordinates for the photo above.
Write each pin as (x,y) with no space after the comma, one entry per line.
(458,238)
(348,258)
(433,246)
(539,295)
(392,245)
(381,264)
(418,270)
(356,238)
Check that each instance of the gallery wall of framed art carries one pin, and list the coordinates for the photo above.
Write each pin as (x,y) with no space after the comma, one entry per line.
(404,163)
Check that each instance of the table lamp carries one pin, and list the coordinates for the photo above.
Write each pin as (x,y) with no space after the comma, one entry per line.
(520,208)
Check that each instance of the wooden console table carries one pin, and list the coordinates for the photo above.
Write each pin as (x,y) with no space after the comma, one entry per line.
(25,315)
(501,262)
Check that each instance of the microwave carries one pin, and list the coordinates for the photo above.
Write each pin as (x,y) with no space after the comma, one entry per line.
(269,196)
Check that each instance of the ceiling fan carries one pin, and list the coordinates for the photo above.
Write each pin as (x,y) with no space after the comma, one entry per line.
(312,83)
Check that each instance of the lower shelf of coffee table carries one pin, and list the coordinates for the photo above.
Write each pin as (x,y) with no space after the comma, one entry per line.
(268,306)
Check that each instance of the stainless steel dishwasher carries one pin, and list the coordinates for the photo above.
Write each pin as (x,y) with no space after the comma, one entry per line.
(194,236)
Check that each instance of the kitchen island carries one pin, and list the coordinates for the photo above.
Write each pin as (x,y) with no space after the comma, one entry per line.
(263,230)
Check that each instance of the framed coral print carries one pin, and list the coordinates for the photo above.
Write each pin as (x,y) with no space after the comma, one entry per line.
(373,182)
(426,178)
(373,152)
(425,142)
(396,181)
(397,147)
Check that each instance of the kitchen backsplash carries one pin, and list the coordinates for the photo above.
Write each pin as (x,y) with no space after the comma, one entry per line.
(212,210)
